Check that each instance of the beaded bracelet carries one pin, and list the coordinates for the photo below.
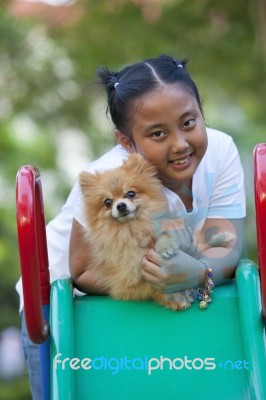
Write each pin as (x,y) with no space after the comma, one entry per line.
(203,295)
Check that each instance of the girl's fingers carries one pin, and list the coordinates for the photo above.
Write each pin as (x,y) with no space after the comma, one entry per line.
(151,273)
(150,267)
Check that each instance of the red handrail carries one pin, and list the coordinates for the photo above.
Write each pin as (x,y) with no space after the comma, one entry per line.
(33,251)
(260,205)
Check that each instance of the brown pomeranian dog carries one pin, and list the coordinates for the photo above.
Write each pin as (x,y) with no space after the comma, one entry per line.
(120,206)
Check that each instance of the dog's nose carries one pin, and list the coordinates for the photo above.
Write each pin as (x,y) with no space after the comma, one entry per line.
(121,207)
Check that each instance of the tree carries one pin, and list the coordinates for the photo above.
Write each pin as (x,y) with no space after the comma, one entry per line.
(49,101)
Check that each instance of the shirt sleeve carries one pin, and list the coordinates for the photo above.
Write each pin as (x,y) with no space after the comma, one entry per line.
(58,235)
(228,195)
(79,211)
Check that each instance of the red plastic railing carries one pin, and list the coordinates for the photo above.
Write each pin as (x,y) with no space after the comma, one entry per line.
(260,205)
(33,251)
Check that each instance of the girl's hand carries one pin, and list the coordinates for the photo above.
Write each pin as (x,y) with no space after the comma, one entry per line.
(173,274)
(185,271)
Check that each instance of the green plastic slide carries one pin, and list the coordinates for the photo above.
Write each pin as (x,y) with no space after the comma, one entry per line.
(106,349)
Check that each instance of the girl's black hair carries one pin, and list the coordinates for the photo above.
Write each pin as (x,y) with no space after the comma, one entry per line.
(136,80)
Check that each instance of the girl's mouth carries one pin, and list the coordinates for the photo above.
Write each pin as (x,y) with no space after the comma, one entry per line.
(181,163)
(181,160)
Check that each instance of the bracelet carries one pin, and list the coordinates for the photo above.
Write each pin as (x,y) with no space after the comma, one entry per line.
(203,295)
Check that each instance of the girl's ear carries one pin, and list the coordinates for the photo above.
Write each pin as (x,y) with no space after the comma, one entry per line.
(123,140)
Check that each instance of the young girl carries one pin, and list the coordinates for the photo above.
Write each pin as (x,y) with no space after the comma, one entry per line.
(156,111)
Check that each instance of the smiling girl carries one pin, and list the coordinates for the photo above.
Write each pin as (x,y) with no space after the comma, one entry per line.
(156,110)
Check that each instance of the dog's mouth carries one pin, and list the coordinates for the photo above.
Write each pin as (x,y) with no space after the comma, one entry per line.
(126,217)
(124,210)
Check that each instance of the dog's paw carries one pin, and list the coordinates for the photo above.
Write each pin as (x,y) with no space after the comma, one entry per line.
(224,239)
(190,295)
(179,301)
(166,245)
(167,253)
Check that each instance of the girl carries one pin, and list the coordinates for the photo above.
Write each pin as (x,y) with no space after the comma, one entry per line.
(156,109)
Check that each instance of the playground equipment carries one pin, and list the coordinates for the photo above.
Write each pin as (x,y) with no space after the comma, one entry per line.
(97,348)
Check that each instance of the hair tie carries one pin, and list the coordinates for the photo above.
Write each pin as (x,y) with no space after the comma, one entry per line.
(178,64)
(115,85)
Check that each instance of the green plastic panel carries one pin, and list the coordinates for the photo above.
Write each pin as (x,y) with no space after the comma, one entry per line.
(106,349)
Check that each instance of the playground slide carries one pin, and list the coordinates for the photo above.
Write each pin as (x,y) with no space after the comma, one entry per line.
(101,348)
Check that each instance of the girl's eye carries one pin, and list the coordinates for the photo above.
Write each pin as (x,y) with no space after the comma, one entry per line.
(108,203)
(190,123)
(131,194)
(158,134)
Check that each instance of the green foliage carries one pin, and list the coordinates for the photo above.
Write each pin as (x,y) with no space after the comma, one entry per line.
(17,389)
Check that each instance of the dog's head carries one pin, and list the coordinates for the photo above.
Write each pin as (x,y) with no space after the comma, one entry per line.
(120,194)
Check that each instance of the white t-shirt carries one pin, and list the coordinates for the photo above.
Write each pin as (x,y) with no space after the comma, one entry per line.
(218,192)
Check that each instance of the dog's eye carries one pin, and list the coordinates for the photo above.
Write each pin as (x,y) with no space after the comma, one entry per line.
(131,194)
(108,203)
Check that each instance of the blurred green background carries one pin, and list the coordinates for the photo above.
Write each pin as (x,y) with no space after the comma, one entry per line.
(53,116)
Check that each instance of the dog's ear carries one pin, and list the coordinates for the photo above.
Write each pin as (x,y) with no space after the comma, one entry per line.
(86,181)
(137,164)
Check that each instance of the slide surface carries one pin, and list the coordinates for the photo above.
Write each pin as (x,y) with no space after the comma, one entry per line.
(103,348)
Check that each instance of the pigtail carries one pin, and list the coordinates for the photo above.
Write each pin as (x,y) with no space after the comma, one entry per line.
(180,63)
(107,78)
(165,59)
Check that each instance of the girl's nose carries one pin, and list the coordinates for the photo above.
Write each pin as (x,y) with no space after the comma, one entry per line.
(180,143)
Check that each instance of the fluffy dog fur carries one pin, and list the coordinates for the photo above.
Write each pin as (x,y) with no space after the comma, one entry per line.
(119,206)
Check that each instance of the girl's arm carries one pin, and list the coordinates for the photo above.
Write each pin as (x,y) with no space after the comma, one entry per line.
(183,271)
(79,262)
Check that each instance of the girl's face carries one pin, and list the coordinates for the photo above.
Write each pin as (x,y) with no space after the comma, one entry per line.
(169,131)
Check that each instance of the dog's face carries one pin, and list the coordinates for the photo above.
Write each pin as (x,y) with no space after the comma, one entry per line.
(123,208)
(120,194)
